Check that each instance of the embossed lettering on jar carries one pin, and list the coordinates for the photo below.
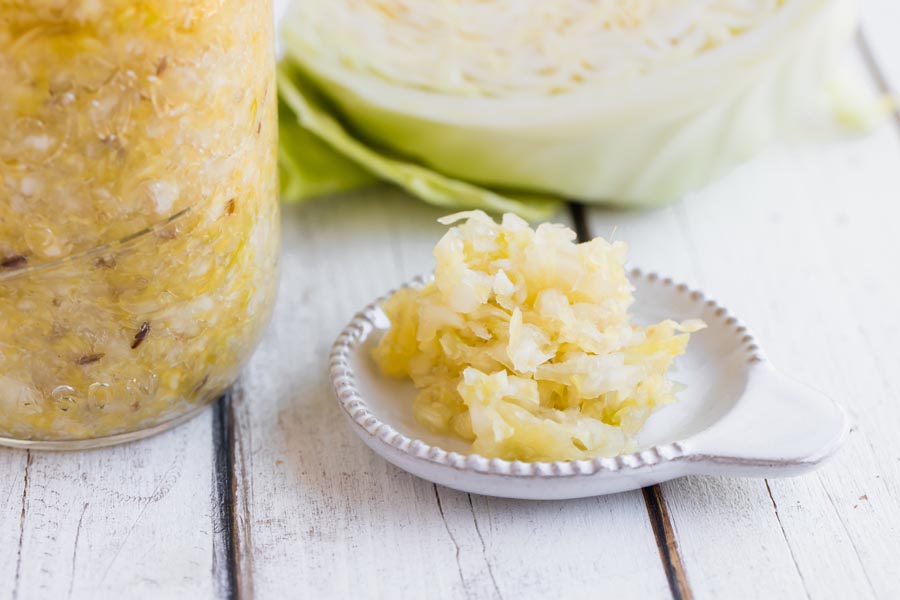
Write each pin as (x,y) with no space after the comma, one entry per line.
(139,228)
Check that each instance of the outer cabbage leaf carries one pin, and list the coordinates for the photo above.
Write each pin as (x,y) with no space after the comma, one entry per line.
(308,167)
(309,127)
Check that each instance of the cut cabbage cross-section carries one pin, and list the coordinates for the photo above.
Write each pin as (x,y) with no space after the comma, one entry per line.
(497,48)
(522,344)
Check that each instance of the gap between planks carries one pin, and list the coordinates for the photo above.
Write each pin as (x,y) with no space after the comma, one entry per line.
(225,559)
(654,501)
(28,461)
(878,75)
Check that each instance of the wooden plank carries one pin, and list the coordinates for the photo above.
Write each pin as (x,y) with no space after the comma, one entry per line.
(318,513)
(132,519)
(799,244)
(12,486)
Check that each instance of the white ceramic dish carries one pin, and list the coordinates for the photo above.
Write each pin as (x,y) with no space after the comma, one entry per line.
(738,415)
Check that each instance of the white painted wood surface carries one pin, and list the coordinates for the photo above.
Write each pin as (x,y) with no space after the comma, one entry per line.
(799,270)
(131,521)
(803,245)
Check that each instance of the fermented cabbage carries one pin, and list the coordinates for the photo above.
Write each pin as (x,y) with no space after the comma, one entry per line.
(631,102)
(522,344)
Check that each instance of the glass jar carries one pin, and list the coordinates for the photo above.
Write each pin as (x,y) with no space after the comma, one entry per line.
(139,223)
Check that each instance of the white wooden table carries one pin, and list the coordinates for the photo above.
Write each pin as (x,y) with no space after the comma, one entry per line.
(269,495)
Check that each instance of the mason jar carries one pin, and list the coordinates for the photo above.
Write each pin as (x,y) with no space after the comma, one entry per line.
(139,220)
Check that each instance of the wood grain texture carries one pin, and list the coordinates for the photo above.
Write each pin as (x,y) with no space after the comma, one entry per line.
(327,516)
(132,519)
(798,245)
(13,466)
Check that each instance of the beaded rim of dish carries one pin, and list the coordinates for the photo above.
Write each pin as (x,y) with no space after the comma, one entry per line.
(354,404)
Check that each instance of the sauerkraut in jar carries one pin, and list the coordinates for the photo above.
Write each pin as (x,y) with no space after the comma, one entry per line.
(139,229)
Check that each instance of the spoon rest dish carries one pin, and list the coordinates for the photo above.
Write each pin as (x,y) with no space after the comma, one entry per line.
(738,416)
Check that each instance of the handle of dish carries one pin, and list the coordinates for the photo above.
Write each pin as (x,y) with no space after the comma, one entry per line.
(777,427)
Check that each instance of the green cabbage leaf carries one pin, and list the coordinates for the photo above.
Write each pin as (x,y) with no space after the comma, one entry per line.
(318,155)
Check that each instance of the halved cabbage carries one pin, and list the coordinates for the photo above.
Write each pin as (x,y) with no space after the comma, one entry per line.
(523,344)
(631,102)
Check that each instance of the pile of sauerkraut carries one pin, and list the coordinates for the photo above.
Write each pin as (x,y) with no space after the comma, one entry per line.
(522,344)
